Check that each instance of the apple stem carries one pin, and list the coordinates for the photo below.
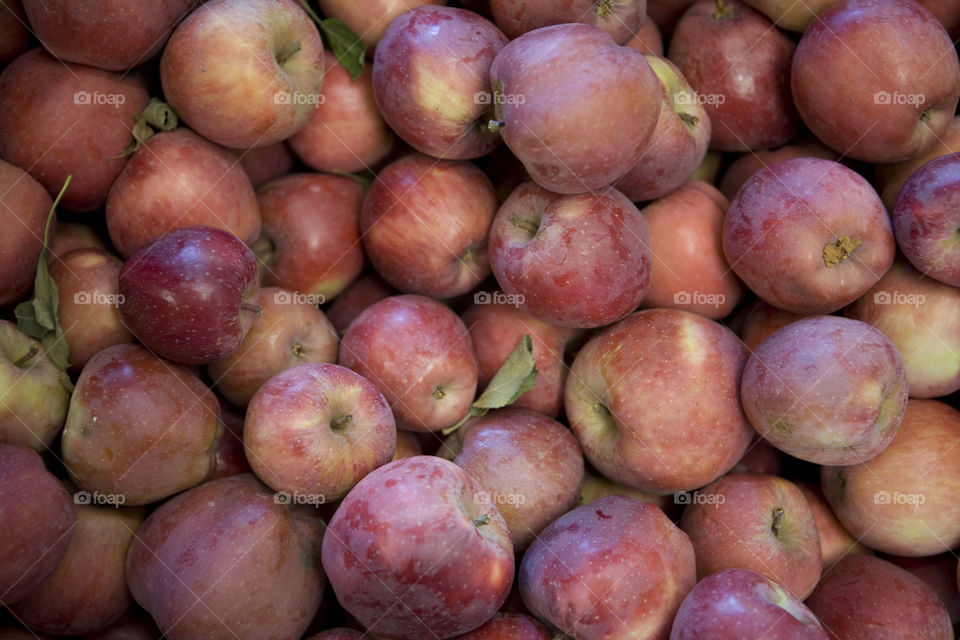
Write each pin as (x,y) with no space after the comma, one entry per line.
(291,50)
(836,252)
(689,119)
(341,422)
(495,125)
(524,224)
(482,520)
(439,394)
(723,11)
(247,306)
(264,249)
(23,360)
(777,517)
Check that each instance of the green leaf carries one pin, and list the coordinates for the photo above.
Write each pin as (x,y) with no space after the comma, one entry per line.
(517,376)
(56,348)
(365,178)
(346,47)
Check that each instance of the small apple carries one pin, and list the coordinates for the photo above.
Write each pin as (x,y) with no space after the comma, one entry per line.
(890,178)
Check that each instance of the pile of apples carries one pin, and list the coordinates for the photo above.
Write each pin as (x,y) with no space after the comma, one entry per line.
(479,319)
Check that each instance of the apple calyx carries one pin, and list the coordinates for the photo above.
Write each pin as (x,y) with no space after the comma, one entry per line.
(723,11)
(837,252)
(298,349)
(439,394)
(605,8)
(158,116)
(777,521)
(342,422)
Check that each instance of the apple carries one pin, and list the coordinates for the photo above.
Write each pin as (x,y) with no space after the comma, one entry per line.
(263,164)
(346,132)
(113,35)
(619,18)
(739,603)
(36,394)
(647,39)
(370,18)
(876,80)
(666,13)
(15,36)
(596,487)
(747,164)
(614,569)
(24,206)
(889,178)
(576,261)
(411,554)
(738,64)
(946,12)
(804,249)
(139,428)
(67,119)
(758,320)
(244,73)
(359,294)
(757,522)
(654,401)
(761,457)
(865,597)
(231,460)
(548,87)
(508,626)
(37,518)
(419,355)
(178,179)
(68,236)
(902,501)
(431,80)
(939,572)
(793,16)
(407,446)
(835,541)
(186,295)
(678,144)
(226,560)
(311,233)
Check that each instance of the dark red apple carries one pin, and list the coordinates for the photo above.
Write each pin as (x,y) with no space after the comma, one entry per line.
(24,207)
(68,236)
(508,626)
(939,572)
(263,164)
(757,321)
(359,294)
(15,36)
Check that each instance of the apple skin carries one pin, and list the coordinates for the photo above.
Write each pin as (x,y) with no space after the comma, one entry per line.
(410,553)
(835,541)
(939,572)
(50,130)
(346,132)
(183,294)
(549,84)
(886,504)
(620,19)
(860,51)
(36,394)
(425,224)
(614,569)
(947,12)
(178,179)
(312,222)
(340,633)
(369,19)
(576,261)
(827,390)
(87,285)
(889,178)
(359,294)
(318,429)
(68,236)
(761,457)
(15,37)
(922,318)
(407,446)
(231,459)
(229,73)
(497,327)
(647,39)
(287,332)
(926,217)
(139,427)
(747,164)
(739,603)
(739,64)
(678,144)
(88,589)
(503,451)
(654,401)
(758,320)
(419,355)
(132,625)
(792,16)
(230,547)
(757,522)
(864,597)
(263,164)
(809,251)
(113,35)
(24,206)
(430,71)
(596,487)
(666,13)
(37,517)
(686,238)
(508,626)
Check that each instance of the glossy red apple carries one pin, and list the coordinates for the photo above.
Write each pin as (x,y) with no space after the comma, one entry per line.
(24,207)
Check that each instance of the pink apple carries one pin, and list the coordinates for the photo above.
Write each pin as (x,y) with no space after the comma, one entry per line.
(747,164)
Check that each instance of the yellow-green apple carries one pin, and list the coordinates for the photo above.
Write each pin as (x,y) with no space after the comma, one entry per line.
(411,554)
(876,80)
(288,331)
(346,132)
(509,626)
(835,541)
(113,35)
(808,235)
(187,295)
(655,401)
(36,394)
(431,80)
(738,64)
(139,428)
(359,294)
(757,522)
(311,233)
(15,36)
(690,274)
(903,501)
(67,119)
(227,560)
(37,518)
(793,16)
(889,178)
(678,144)
(734,604)
(758,320)
(425,223)
(419,355)
(647,39)
(316,430)
(87,285)
(263,164)
(614,569)
(244,73)
(24,206)
(504,452)
(939,572)
(68,236)
(548,87)
(747,164)
(370,18)
(571,260)
(178,179)
(619,18)
(864,597)
(921,317)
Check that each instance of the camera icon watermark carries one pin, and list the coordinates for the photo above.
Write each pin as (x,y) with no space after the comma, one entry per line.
(896,297)
(98,297)
(886,97)
(898,498)
(97,98)
(499,297)
(298,97)
(686,298)
(98,499)
(295,498)
(295,297)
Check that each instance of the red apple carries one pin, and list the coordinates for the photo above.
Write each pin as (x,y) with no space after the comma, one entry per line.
(68,236)
(619,19)
(666,13)
(263,164)
(891,177)
(647,39)
(835,541)
(761,457)
(24,206)
(596,487)
(793,16)
(757,321)
(407,446)
(939,572)
(508,626)
(359,294)
(15,36)
(747,164)
(370,18)
(231,459)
